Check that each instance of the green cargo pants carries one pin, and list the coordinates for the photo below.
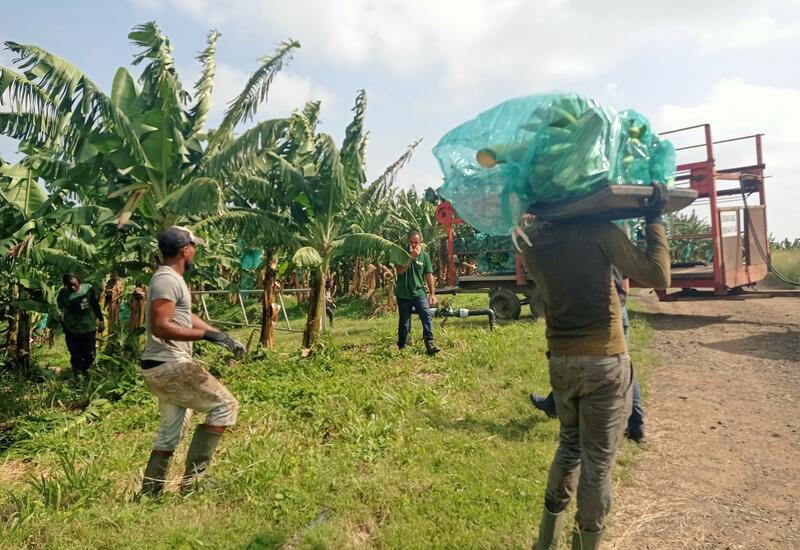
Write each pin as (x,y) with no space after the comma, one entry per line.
(593,400)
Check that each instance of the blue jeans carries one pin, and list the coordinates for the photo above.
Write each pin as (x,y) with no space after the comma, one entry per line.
(635,427)
(405,307)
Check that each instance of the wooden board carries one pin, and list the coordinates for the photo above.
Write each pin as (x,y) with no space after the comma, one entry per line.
(615,202)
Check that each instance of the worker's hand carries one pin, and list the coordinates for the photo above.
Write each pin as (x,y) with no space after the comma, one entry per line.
(655,204)
(101,327)
(432,300)
(226,341)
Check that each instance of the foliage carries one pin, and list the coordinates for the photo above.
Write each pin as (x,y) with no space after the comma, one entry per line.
(358,442)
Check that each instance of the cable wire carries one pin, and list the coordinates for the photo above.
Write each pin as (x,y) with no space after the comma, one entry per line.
(764,257)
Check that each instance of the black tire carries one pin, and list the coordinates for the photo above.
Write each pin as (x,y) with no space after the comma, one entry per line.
(505,304)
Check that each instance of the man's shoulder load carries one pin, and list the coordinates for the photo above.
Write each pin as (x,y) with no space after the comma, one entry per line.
(545,151)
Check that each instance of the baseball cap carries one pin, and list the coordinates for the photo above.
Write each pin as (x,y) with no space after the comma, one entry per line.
(172,239)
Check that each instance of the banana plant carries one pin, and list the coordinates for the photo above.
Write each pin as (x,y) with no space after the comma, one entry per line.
(329,187)
(147,137)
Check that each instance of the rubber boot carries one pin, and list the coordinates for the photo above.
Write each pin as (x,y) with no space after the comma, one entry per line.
(586,540)
(202,448)
(550,530)
(155,474)
(432,348)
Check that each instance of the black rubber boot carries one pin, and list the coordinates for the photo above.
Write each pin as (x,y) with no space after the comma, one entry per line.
(586,540)
(550,530)
(432,348)
(202,448)
(155,474)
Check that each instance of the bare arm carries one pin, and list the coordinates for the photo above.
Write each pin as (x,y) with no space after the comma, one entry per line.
(431,286)
(161,325)
(197,322)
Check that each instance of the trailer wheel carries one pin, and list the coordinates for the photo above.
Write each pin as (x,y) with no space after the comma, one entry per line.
(505,304)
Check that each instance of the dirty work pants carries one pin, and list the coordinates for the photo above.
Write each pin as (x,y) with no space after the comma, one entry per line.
(82,349)
(405,307)
(180,388)
(593,397)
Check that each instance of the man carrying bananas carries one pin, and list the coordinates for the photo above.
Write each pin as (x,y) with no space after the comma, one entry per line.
(590,370)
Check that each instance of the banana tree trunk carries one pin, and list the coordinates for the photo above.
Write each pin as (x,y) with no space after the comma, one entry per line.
(137,307)
(113,294)
(355,289)
(11,332)
(269,309)
(23,354)
(316,309)
(371,276)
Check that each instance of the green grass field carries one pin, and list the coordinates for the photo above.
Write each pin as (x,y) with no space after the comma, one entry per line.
(787,262)
(360,446)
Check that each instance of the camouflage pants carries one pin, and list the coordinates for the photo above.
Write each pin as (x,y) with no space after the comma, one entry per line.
(181,388)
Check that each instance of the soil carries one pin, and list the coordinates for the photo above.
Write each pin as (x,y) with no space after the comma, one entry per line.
(721,466)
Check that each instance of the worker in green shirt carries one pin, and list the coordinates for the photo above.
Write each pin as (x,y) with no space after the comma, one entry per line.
(81,318)
(410,291)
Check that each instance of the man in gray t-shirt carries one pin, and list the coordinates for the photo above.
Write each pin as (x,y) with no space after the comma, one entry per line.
(169,372)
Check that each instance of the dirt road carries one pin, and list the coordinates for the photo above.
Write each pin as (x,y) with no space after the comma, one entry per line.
(722,467)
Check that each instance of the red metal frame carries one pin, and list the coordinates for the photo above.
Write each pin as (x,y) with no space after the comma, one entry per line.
(703,176)
(446,215)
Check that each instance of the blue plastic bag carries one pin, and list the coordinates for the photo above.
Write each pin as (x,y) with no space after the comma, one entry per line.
(544,148)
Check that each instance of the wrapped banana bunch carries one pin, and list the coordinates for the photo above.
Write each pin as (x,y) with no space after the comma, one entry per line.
(545,150)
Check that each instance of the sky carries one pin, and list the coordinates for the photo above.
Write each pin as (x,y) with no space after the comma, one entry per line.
(430,65)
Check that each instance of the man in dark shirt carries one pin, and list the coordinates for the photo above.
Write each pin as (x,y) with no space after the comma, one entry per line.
(410,291)
(635,429)
(590,370)
(81,318)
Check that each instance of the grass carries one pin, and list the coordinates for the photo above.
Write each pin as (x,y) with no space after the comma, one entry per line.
(359,446)
(787,262)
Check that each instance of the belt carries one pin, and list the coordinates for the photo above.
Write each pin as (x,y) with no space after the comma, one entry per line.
(150,364)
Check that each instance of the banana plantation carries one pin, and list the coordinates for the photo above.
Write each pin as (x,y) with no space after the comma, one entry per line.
(277,201)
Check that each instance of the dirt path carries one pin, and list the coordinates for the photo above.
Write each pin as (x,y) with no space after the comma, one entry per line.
(722,469)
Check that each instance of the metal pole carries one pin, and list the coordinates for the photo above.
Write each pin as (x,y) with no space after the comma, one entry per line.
(244,313)
(283,309)
(205,308)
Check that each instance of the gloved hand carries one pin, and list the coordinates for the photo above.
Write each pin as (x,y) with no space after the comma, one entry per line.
(655,205)
(225,340)
(101,327)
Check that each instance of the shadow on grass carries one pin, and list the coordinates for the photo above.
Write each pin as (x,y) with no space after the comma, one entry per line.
(515,429)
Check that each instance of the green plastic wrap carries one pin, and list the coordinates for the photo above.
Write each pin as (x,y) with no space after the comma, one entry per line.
(544,148)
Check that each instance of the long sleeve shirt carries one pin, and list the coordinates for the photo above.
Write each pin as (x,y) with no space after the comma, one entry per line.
(571,265)
(80,310)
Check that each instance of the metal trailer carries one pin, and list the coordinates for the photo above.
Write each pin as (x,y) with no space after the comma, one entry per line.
(739,236)
(736,202)
(507,292)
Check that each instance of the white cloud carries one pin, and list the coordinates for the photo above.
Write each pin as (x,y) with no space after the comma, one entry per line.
(470,42)
(737,108)
(288,92)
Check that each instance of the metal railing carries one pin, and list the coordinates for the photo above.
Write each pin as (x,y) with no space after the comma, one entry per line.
(202,294)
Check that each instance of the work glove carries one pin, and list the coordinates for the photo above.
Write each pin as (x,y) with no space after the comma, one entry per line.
(226,341)
(101,327)
(655,204)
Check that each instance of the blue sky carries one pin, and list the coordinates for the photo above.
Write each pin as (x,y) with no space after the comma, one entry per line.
(430,65)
